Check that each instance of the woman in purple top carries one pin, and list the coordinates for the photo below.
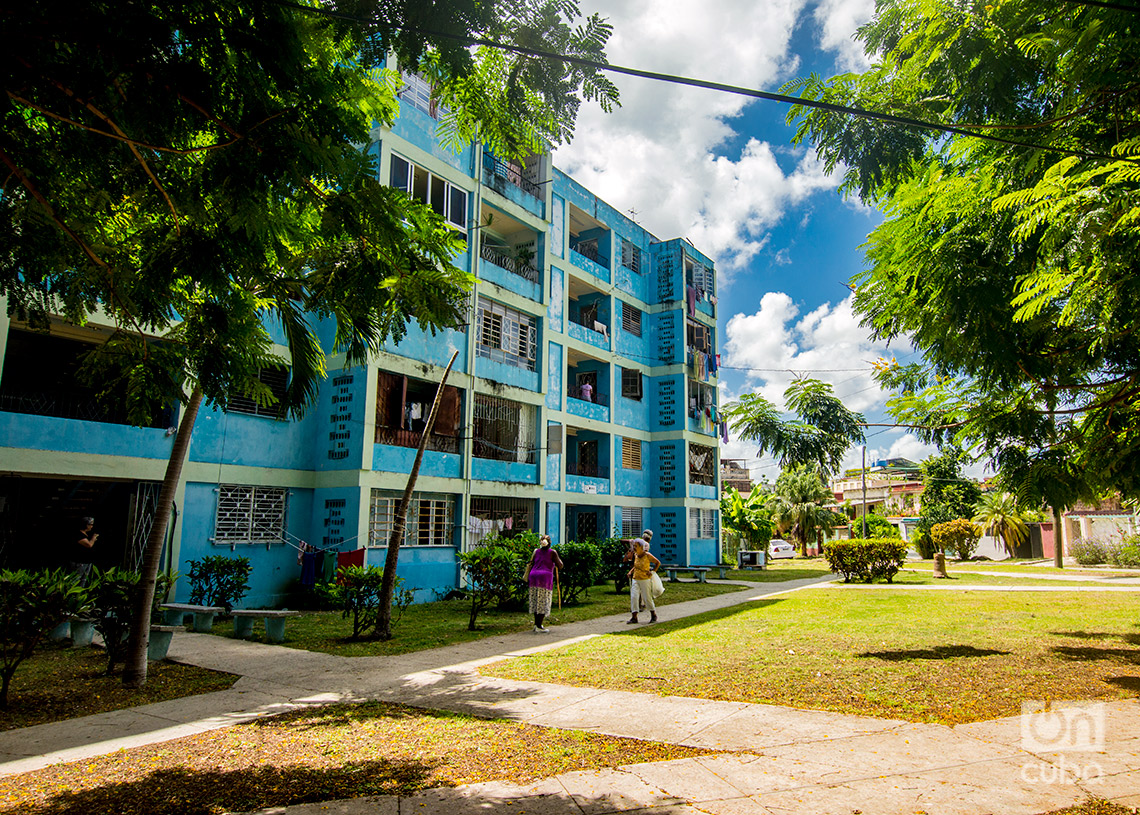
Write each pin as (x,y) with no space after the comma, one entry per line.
(540,578)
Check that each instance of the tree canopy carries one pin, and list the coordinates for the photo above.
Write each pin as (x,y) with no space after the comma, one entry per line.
(798,504)
(1012,264)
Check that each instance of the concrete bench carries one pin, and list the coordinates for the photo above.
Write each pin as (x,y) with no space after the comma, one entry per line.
(723,570)
(698,572)
(175,614)
(274,621)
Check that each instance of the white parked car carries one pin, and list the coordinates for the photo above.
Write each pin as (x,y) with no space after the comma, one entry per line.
(780,549)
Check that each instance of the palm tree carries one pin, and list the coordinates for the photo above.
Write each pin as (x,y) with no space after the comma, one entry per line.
(798,503)
(998,515)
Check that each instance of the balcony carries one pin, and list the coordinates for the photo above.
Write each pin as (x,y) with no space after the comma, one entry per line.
(587,461)
(587,386)
(519,263)
(591,243)
(519,182)
(589,314)
(510,253)
(587,470)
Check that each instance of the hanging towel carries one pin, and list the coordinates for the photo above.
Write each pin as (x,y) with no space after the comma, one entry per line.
(691,296)
(724,430)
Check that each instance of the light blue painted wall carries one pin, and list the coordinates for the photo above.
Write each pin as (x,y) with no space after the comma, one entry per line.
(486,469)
(392,459)
(643,349)
(343,405)
(587,410)
(557,295)
(493,273)
(701,490)
(585,484)
(21,430)
(554,377)
(418,128)
(431,571)
(333,522)
(423,346)
(554,522)
(557,225)
(634,412)
(637,483)
(704,552)
(507,374)
(258,441)
(589,336)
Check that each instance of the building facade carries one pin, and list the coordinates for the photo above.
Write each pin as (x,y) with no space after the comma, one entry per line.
(583,403)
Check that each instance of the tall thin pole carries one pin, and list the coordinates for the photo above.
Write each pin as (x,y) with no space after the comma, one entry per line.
(864,492)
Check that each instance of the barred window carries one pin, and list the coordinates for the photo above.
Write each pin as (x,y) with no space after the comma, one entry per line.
(430,519)
(503,430)
(631,383)
(250,514)
(506,335)
(632,522)
(702,523)
(700,276)
(417,92)
(630,256)
(275,378)
(631,319)
(702,465)
(441,195)
(631,453)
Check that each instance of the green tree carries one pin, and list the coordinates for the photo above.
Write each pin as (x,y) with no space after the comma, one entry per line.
(820,434)
(946,493)
(1012,265)
(193,171)
(799,502)
(877,527)
(750,517)
(997,513)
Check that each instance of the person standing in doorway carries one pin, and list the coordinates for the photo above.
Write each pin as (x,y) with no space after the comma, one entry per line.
(640,585)
(83,550)
(540,579)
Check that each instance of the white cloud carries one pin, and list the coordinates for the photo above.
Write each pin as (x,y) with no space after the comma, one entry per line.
(838,20)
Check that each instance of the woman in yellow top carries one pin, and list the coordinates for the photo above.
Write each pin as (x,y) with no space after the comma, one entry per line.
(640,591)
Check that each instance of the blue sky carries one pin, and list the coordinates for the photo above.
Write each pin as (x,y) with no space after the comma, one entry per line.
(721,170)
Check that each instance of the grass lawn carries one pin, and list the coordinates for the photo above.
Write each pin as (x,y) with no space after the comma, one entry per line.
(925,578)
(434,625)
(922,656)
(784,569)
(318,754)
(59,682)
(1025,567)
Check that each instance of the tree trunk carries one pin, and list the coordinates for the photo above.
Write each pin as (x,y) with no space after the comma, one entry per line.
(388,582)
(134,671)
(1057,555)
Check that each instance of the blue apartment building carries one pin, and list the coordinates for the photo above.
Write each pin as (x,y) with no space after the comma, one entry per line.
(583,403)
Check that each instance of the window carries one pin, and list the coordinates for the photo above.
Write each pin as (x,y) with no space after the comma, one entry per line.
(417,92)
(630,256)
(429,522)
(249,515)
(702,465)
(702,523)
(503,430)
(631,383)
(631,319)
(632,523)
(699,336)
(402,409)
(277,380)
(442,196)
(700,276)
(506,335)
(507,517)
(631,454)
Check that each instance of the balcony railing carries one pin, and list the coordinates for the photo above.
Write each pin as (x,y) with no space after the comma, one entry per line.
(587,470)
(498,256)
(592,325)
(587,249)
(579,392)
(411,438)
(74,406)
(512,174)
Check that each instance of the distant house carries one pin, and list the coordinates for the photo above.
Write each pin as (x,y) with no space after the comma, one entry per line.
(893,491)
(734,474)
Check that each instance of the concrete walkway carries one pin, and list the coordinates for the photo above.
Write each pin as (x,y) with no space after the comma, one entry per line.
(784,760)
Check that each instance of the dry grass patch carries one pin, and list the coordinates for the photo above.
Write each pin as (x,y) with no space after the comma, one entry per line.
(60,682)
(947,657)
(318,754)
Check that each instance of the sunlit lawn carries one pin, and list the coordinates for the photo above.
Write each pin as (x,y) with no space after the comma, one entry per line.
(897,653)
(1027,567)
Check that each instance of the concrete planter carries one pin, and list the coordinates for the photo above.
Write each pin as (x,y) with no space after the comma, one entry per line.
(82,632)
(61,631)
(159,643)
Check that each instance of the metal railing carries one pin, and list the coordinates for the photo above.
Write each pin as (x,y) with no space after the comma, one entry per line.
(411,438)
(73,406)
(587,470)
(499,256)
(511,173)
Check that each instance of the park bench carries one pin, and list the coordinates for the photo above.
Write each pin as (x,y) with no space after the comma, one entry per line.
(274,621)
(723,570)
(175,614)
(698,572)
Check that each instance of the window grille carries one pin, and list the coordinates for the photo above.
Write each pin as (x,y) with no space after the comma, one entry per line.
(507,517)
(250,514)
(631,383)
(430,519)
(631,454)
(630,256)
(506,335)
(277,380)
(442,196)
(417,92)
(699,336)
(632,523)
(631,319)
(700,276)
(503,430)
(702,523)
(702,465)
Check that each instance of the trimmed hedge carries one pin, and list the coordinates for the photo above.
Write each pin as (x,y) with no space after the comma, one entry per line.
(866,560)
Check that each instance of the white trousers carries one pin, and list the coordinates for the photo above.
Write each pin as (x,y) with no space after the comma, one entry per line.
(641,591)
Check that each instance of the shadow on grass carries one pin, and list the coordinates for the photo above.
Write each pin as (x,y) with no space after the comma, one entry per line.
(1131,639)
(664,627)
(1122,656)
(1126,683)
(937,652)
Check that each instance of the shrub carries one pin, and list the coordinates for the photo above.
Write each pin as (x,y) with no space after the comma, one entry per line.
(219,581)
(613,566)
(866,560)
(959,536)
(31,605)
(1089,551)
(581,565)
(1126,553)
(357,593)
(923,545)
(111,595)
(877,527)
(492,571)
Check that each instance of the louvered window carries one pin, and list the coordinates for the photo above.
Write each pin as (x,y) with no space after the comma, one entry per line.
(277,380)
(506,335)
(631,454)
(250,515)
(631,319)
(630,256)
(702,523)
(632,523)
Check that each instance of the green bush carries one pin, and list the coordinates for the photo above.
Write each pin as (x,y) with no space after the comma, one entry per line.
(877,527)
(867,560)
(960,536)
(1090,551)
(613,565)
(218,581)
(923,545)
(581,565)
(31,605)
(492,572)
(357,593)
(111,594)
(1126,553)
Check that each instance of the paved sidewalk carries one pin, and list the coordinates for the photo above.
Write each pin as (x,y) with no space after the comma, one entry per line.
(785,760)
